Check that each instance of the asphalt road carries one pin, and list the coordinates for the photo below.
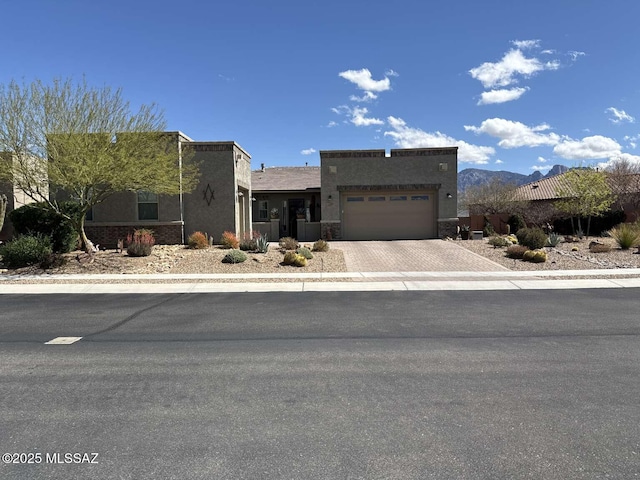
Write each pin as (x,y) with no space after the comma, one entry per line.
(511,384)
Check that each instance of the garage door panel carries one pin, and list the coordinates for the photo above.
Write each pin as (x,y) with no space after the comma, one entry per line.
(389,215)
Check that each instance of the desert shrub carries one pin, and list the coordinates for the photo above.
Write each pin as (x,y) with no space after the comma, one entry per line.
(553,240)
(289,258)
(626,235)
(320,246)
(53,260)
(595,247)
(535,256)
(516,222)
(26,250)
(140,243)
(234,256)
(305,252)
(248,242)
(37,219)
(488,229)
(516,251)
(229,240)
(498,241)
(197,240)
(534,238)
(288,243)
(262,243)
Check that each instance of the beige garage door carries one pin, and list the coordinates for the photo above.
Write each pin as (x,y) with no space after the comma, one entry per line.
(388,215)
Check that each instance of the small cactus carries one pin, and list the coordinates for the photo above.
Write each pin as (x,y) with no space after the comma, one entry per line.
(3,209)
(289,258)
(305,252)
(300,261)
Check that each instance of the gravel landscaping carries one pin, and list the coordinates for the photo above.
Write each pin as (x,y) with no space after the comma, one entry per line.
(562,257)
(179,259)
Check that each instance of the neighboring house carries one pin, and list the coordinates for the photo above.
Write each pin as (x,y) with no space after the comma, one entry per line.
(353,195)
(542,194)
(221,201)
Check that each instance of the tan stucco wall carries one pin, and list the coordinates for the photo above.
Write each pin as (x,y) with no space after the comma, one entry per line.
(224,168)
(403,168)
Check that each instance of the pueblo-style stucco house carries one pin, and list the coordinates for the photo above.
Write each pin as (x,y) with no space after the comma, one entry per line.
(362,195)
(353,195)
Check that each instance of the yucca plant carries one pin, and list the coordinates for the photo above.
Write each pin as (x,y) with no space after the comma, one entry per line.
(262,243)
(626,235)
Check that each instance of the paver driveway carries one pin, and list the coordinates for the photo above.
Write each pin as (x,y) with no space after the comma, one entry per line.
(412,256)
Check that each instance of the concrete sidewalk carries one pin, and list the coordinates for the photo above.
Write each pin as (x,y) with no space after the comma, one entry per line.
(306,282)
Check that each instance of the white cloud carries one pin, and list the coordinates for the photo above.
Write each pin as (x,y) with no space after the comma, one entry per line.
(499,162)
(515,134)
(633,141)
(575,55)
(548,52)
(542,160)
(505,72)
(359,119)
(332,124)
(308,151)
(541,168)
(632,159)
(367,97)
(502,95)
(363,80)
(619,116)
(589,148)
(408,137)
(391,73)
(340,109)
(524,44)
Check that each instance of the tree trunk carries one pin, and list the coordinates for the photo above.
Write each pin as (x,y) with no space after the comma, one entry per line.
(85,243)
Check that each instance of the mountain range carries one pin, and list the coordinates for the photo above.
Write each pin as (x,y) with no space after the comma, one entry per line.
(471,177)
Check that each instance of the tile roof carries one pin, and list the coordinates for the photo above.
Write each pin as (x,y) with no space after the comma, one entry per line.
(546,188)
(285,179)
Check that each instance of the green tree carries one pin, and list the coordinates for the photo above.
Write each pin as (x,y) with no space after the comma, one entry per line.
(584,192)
(70,140)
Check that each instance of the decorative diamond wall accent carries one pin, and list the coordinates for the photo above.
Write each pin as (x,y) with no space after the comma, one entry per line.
(208,194)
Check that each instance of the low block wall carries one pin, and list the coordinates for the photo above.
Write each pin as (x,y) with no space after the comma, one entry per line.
(107,235)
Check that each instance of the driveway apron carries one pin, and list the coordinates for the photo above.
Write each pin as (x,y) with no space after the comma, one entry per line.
(413,256)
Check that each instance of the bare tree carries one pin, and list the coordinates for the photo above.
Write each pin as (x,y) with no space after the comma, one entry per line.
(624,180)
(492,197)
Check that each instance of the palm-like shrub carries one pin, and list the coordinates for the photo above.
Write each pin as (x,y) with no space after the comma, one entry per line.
(626,235)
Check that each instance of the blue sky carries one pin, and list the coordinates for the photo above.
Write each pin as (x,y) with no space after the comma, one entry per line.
(516,86)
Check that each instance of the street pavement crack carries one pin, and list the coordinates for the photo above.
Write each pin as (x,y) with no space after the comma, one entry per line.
(130,317)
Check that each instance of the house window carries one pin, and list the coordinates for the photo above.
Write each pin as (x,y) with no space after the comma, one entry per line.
(398,198)
(147,206)
(263,209)
(419,197)
(376,199)
(355,199)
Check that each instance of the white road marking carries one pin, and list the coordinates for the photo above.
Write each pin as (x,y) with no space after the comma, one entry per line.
(63,341)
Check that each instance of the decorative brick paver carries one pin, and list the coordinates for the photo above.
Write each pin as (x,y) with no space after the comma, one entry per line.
(412,256)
